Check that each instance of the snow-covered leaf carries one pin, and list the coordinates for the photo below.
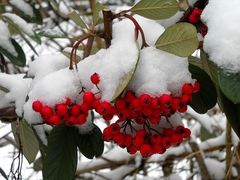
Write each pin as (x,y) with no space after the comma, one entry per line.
(61,159)
(205,134)
(28,140)
(91,144)
(156,9)
(179,39)
(125,80)
(97,8)
(230,85)
(50,33)
(20,59)
(206,98)
(77,19)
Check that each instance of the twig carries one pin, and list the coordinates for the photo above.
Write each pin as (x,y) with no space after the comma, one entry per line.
(107,19)
(228,148)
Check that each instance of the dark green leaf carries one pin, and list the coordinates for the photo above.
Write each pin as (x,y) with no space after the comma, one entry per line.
(97,8)
(19,60)
(61,159)
(230,85)
(156,9)
(38,164)
(206,98)
(91,144)
(77,19)
(179,39)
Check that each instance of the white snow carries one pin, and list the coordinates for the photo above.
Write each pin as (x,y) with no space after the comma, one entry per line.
(21,23)
(23,6)
(223,37)
(46,64)
(5,42)
(152,75)
(18,89)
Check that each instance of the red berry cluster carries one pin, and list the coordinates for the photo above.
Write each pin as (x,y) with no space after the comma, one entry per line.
(148,141)
(69,112)
(145,112)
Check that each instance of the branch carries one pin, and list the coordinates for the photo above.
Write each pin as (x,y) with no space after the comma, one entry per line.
(203,168)
(107,19)
(228,148)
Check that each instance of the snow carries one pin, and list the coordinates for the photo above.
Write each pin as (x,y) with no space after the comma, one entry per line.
(46,64)
(222,39)
(23,6)
(5,42)
(21,23)
(152,75)
(18,89)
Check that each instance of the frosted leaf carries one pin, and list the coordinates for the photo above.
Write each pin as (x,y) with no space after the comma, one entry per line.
(23,6)
(5,42)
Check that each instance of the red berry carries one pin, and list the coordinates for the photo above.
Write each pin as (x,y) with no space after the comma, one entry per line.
(46,111)
(187,88)
(147,111)
(135,105)
(156,102)
(85,108)
(54,120)
(182,109)
(108,117)
(129,96)
(37,106)
(166,99)
(196,87)
(120,104)
(132,149)
(68,101)
(107,134)
(75,110)
(61,109)
(158,149)
(81,119)
(119,139)
(156,139)
(88,97)
(146,150)
(204,30)
(195,16)
(95,78)
(175,104)
(138,141)
(145,100)
(72,120)
(115,128)
(141,133)
(168,132)
(96,104)
(186,99)
(166,142)
(127,140)
(105,108)
(154,120)
(176,139)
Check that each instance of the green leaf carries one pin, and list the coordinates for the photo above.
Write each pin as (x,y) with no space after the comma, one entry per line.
(195,61)
(179,39)
(77,19)
(230,85)
(38,164)
(97,8)
(50,33)
(206,98)
(20,59)
(3,89)
(61,159)
(156,9)
(19,28)
(91,144)
(126,79)
(28,140)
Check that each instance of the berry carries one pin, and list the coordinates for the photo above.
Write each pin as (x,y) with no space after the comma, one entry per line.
(186,99)
(46,112)
(204,30)
(81,119)
(115,128)
(176,104)
(68,101)
(187,89)
(119,139)
(105,108)
(107,134)
(196,87)
(156,102)
(129,96)
(156,139)
(141,133)
(145,100)
(85,108)
(71,120)
(95,78)
(166,142)
(120,104)
(61,109)
(182,109)
(55,120)
(195,16)
(75,110)
(146,150)
(158,149)
(187,133)
(154,120)
(138,141)
(88,97)
(168,132)
(37,106)
(127,140)
(132,149)
(166,99)
(135,105)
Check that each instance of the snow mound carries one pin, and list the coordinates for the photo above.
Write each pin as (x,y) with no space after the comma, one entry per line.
(223,37)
